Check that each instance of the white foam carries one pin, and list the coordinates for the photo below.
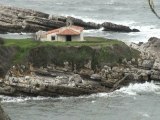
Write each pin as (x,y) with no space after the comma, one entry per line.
(145,88)
(7,99)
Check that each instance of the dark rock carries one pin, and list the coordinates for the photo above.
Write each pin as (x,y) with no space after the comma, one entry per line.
(45,22)
(6,27)
(58,18)
(135,30)
(108,26)
(155,75)
(6,57)
(86,25)
(25,20)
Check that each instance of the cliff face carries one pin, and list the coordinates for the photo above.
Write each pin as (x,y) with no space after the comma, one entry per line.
(79,56)
(6,57)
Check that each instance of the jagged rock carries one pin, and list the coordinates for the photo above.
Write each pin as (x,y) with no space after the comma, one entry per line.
(45,22)
(86,25)
(7,27)
(108,26)
(155,75)
(76,79)
(86,72)
(58,18)
(156,65)
(147,64)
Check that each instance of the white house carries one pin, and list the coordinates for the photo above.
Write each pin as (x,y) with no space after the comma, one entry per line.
(69,33)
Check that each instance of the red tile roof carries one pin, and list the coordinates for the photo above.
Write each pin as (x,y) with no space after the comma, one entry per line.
(70,30)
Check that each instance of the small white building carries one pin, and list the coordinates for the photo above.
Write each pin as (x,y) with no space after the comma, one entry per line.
(69,33)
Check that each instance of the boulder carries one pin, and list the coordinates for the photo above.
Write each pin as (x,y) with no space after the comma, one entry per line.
(96,77)
(86,73)
(147,64)
(156,65)
(75,79)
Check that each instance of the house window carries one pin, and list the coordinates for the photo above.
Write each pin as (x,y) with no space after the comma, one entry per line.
(53,38)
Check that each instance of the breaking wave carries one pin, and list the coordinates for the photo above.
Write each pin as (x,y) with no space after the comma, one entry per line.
(140,89)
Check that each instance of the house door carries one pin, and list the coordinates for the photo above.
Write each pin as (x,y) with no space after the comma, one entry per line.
(68,38)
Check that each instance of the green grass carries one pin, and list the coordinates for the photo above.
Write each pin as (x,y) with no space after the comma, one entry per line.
(58,52)
(89,41)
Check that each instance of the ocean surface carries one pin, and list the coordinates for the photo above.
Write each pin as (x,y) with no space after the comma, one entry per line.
(135,102)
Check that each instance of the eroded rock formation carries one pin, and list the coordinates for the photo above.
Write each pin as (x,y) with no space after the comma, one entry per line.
(15,20)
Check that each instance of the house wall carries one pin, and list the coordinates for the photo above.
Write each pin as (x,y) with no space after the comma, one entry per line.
(49,37)
(63,38)
(76,38)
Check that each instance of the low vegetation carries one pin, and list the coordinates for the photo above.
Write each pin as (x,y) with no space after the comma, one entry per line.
(98,50)
(89,41)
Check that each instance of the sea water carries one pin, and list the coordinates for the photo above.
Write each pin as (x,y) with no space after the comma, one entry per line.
(135,102)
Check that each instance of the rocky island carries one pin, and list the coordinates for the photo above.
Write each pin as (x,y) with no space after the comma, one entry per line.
(17,20)
(34,68)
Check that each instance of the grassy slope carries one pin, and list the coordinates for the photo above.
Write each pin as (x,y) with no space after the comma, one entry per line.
(109,50)
(90,41)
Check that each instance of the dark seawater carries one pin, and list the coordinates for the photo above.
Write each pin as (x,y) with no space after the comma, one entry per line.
(135,102)
(135,13)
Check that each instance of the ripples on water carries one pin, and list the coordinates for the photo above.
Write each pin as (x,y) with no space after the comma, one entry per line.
(137,101)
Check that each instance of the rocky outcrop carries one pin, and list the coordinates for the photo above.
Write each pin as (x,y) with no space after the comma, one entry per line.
(62,74)
(53,71)
(108,26)
(3,115)
(15,20)
(86,25)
